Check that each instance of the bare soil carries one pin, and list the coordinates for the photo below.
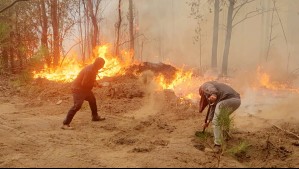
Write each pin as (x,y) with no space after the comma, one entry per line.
(143,128)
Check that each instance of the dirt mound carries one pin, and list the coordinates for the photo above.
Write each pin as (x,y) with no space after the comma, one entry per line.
(166,70)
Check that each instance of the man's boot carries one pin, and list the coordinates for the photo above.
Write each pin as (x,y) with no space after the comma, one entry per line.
(67,127)
(98,118)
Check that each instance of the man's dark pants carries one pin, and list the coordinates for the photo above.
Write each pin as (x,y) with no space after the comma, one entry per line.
(79,98)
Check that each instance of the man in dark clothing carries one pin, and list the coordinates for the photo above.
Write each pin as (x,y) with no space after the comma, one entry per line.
(220,98)
(81,89)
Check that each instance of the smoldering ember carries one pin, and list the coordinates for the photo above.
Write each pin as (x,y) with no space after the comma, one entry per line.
(149,83)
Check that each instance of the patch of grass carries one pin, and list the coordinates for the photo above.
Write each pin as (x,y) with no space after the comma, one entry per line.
(239,150)
(203,135)
(225,121)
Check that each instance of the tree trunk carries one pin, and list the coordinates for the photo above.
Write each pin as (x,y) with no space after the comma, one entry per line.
(11,53)
(270,36)
(87,36)
(95,36)
(86,30)
(82,49)
(141,51)
(118,29)
(19,43)
(44,38)
(5,57)
(55,26)
(20,52)
(262,37)
(228,37)
(200,50)
(131,23)
(215,34)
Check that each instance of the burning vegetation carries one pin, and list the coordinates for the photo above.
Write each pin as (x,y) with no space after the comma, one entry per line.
(266,81)
(70,67)
(183,82)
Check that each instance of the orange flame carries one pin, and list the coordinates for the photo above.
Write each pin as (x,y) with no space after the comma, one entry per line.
(265,81)
(66,73)
(70,68)
(179,77)
(190,96)
(183,84)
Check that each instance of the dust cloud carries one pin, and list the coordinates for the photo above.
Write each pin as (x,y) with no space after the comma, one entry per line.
(153,101)
(262,108)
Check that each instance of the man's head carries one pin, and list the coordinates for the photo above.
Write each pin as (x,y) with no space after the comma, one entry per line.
(203,100)
(99,63)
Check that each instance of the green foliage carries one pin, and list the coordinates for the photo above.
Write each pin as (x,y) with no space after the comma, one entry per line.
(203,135)
(4,33)
(240,149)
(38,58)
(224,120)
(22,79)
(226,123)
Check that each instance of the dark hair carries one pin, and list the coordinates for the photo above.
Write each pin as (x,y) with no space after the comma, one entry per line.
(99,63)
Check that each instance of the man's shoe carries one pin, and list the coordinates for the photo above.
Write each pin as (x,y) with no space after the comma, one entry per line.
(217,148)
(98,118)
(67,127)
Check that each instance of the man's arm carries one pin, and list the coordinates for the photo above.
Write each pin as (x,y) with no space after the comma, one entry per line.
(85,80)
(212,112)
(210,115)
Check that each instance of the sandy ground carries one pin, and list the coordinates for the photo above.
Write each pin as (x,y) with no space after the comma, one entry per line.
(151,130)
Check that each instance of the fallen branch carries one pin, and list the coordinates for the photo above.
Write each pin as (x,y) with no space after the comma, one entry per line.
(267,121)
(288,132)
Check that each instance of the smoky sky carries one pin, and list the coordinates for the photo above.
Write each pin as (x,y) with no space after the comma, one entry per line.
(166,33)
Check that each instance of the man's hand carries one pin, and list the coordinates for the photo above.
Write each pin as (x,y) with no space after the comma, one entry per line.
(103,84)
(205,125)
(106,84)
(212,99)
